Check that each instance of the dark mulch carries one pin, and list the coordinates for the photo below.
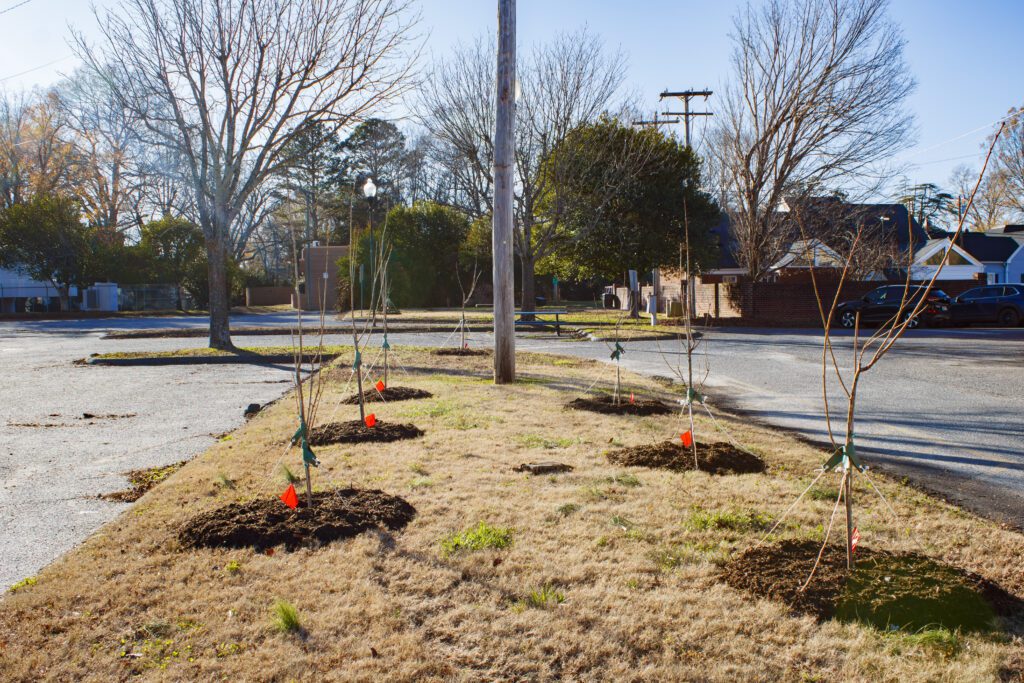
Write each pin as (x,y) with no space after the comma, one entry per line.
(902,590)
(606,405)
(713,458)
(142,481)
(388,395)
(264,523)
(460,352)
(355,431)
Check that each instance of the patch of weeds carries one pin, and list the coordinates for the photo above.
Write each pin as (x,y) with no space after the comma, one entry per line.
(142,481)
(226,437)
(432,409)
(633,584)
(233,567)
(942,640)
(420,483)
(289,476)
(547,596)
(417,468)
(622,523)
(480,537)
(728,520)
(284,617)
(228,649)
(569,508)
(225,481)
(635,534)
(24,583)
(625,479)
(671,557)
(603,542)
(537,441)
(823,493)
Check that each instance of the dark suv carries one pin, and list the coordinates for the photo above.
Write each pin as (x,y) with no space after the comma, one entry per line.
(883,304)
(1003,304)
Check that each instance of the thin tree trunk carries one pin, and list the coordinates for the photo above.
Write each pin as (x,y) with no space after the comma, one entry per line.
(220,304)
(504,140)
(529,303)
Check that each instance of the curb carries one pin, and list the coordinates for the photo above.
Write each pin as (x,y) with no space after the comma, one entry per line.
(199,360)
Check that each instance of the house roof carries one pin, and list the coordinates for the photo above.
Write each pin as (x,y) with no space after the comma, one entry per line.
(989,248)
(1008,229)
(932,246)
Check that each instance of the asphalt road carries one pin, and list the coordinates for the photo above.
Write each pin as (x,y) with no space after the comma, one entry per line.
(944,408)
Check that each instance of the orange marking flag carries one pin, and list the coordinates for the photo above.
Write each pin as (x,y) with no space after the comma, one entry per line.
(686,438)
(380,385)
(290,498)
(854,540)
(371,420)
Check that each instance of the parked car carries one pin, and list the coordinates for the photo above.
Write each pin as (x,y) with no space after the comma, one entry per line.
(883,304)
(1003,304)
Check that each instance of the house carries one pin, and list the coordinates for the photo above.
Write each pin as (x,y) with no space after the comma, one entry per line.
(804,255)
(959,264)
(1000,251)
(17,291)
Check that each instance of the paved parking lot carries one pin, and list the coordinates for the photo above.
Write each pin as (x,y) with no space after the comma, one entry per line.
(945,408)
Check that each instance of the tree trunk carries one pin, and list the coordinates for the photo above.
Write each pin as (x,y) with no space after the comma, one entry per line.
(220,303)
(529,265)
(64,292)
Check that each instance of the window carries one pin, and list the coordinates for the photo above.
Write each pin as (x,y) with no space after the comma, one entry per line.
(876,296)
(952,258)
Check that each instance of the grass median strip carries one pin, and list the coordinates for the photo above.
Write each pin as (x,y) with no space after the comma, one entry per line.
(599,573)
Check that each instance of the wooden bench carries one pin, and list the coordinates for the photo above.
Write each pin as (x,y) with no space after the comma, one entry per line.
(538,321)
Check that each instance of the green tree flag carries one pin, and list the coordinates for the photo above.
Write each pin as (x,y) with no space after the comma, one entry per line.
(618,195)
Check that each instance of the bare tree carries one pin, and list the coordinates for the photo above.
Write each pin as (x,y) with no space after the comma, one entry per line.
(104,135)
(562,84)
(816,101)
(990,207)
(1009,163)
(228,84)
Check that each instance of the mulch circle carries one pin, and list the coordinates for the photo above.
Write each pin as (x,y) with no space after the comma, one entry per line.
(388,395)
(888,590)
(355,431)
(266,523)
(714,458)
(607,406)
(460,352)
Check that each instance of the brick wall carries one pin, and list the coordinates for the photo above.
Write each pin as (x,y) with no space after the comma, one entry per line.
(268,296)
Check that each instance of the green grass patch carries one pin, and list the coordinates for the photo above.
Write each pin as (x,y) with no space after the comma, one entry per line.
(284,617)
(728,520)
(203,352)
(543,598)
(24,583)
(547,443)
(481,537)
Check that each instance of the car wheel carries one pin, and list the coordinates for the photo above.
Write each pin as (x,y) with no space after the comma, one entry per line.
(1008,318)
(848,319)
(913,321)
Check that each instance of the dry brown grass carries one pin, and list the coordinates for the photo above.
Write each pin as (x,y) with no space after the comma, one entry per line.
(608,576)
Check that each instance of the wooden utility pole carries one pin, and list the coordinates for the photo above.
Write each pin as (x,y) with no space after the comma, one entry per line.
(686,96)
(504,143)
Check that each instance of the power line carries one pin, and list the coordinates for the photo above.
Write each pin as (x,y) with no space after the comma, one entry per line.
(15,6)
(964,135)
(29,71)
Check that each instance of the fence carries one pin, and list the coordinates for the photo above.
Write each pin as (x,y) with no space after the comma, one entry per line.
(149,298)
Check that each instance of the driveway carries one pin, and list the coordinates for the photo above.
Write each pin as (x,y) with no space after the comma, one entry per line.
(944,408)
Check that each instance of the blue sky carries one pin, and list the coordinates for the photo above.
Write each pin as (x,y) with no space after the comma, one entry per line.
(968,57)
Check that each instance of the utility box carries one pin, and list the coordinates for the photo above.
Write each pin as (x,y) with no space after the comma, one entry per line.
(102,296)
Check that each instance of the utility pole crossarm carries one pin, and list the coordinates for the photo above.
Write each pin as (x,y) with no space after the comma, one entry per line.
(686,96)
